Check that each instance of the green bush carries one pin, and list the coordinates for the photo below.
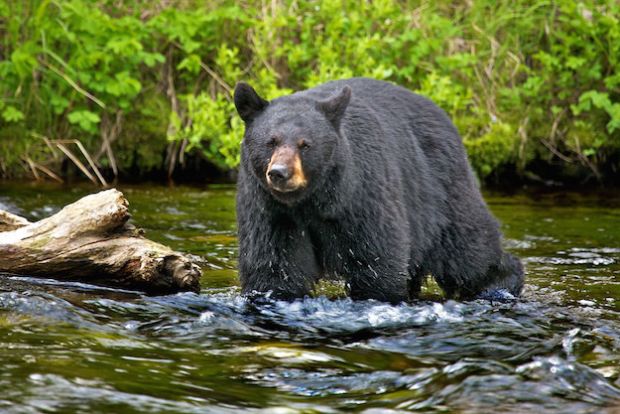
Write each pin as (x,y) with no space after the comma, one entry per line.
(523,81)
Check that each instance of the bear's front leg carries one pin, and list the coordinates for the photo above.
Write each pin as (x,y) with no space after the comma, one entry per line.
(373,273)
(275,256)
(382,283)
(377,256)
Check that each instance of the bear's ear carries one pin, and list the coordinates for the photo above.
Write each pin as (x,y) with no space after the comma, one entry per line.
(247,101)
(334,107)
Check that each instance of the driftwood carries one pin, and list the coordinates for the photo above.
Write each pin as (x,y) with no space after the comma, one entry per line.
(91,241)
(10,221)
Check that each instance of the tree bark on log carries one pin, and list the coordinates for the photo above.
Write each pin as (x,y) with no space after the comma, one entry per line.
(10,221)
(91,241)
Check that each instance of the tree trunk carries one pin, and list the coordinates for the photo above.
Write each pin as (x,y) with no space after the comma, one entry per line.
(90,241)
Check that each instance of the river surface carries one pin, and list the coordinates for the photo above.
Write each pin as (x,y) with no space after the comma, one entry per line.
(70,347)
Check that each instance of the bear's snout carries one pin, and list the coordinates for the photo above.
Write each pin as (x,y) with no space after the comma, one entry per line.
(285,172)
(279,174)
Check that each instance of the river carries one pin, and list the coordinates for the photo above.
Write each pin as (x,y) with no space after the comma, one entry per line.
(71,347)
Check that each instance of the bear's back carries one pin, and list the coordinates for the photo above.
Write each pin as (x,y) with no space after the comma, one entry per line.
(401,113)
(412,126)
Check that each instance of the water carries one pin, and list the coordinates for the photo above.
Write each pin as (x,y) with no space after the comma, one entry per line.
(68,347)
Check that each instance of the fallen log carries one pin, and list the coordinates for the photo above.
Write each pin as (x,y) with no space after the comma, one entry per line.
(91,241)
(10,221)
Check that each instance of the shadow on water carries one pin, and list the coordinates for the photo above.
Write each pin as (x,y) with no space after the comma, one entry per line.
(67,347)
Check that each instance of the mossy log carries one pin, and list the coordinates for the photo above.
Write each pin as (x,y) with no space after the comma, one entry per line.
(91,241)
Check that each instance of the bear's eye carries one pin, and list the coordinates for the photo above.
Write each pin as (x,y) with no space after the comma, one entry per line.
(303,144)
(273,142)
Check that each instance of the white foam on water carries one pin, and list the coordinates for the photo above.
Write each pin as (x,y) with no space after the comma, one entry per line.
(347,315)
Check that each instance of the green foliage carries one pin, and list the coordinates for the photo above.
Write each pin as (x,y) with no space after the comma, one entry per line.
(523,80)
(12,114)
(87,120)
(493,149)
(599,100)
(214,128)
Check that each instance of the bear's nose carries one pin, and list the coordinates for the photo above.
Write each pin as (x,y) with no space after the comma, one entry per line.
(279,173)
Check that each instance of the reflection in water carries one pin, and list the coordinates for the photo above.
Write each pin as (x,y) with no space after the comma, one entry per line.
(67,347)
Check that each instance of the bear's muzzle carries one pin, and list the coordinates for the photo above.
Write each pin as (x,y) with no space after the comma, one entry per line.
(285,172)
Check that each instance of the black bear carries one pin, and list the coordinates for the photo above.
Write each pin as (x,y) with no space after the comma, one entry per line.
(364,180)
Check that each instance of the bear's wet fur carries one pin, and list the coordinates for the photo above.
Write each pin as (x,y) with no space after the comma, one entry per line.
(385,196)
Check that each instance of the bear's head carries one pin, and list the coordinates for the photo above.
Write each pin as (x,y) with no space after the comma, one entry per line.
(290,142)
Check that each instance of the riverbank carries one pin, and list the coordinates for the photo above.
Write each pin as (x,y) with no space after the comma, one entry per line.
(532,86)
